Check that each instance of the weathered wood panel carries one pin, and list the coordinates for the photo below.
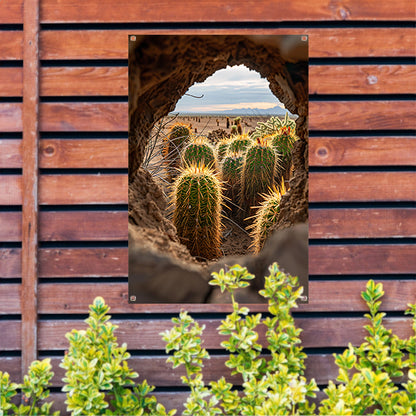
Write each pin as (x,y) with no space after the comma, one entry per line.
(362,223)
(362,151)
(11,82)
(14,335)
(11,44)
(325,296)
(161,11)
(323,43)
(10,300)
(10,154)
(11,117)
(11,11)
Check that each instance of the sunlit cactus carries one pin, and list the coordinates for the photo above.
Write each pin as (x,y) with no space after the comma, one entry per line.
(272,126)
(199,152)
(222,148)
(173,145)
(231,168)
(197,215)
(240,143)
(266,217)
(257,175)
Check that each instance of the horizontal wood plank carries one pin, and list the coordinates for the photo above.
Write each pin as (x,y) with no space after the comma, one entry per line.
(362,186)
(362,259)
(362,79)
(10,154)
(11,11)
(11,82)
(145,334)
(10,117)
(323,79)
(362,223)
(323,43)
(10,299)
(107,11)
(13,330)
(362,115)
(10,226)
(324,115)
(11,190)
(11,45)
(362,151)
(324,296)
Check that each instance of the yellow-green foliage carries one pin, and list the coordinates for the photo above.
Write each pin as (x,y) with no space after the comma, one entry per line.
(173,145)
(199,152)
(197,216)
(257,175)
(265,217)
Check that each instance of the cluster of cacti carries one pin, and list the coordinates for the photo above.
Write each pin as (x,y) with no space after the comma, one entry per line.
(265,217)
(198,197)
(199,152)
(258,174)
(240,143)
(173,145)
(222,148)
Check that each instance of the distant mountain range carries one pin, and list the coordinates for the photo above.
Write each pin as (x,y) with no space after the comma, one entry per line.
(279,111)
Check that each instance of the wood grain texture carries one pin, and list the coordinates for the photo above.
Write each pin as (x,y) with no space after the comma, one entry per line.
(83,153)
(362,223)
(362,115)
(11,190)
(324,79)
(362,79)
(14,335)
(10,300)
(362,259)
(10,226)
(362,186)
(11,45)
(323,43)
(260,10)
(11,117)
(325,296)
(11,11)
(10,154)
(144,334)
(11,82)
(362,151)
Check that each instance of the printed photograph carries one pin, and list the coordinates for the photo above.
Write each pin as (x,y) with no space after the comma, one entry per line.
(218,165)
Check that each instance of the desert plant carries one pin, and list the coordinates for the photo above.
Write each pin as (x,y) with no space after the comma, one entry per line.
(366,373)
(222,148)
(199,151)
(234,130)
(257,175)
(266,216)
(197,216)
(97,379)
(173,144)
(272,126)
(34,389)
(240,143)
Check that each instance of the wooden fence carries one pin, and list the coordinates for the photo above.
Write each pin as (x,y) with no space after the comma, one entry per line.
(63,165)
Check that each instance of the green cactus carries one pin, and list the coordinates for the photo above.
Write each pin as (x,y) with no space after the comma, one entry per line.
(234,131)
(173,145)
(240,143)
(258,174)
(197,197)
(199,152)
(272,126)
(265,217)
(222,148)
(231,169)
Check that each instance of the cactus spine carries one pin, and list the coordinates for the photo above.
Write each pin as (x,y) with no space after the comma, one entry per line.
(197,214)
(173,145)
(222,148)
(257,175)
(199,152)
(240,143)
(231,169)
(265,217)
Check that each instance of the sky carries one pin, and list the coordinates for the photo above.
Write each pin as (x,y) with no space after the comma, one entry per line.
(230,88)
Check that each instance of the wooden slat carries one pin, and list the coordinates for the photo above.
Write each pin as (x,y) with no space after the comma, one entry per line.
(324,296)
(11,45)
(362,186)
(11,11)
(145,334)
(324,115)
(67,81)
(362,151)
(10,262)
(362,223)
(323,43)
(11,190)
(13,340)
(10,154)
(362,79)
(260,10)
(362,259)
(11,82)
(10,226)
(11,117)
(83,153)
(10,299)
(361,115)
(324,79)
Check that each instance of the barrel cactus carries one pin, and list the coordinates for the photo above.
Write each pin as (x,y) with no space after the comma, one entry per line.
(231,168)
(258,174)
(173,145)
(240,143)
(199,152)
(222,148)
(265,217)
(197,214)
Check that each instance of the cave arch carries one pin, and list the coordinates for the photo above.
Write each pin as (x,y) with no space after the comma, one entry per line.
(162,68)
